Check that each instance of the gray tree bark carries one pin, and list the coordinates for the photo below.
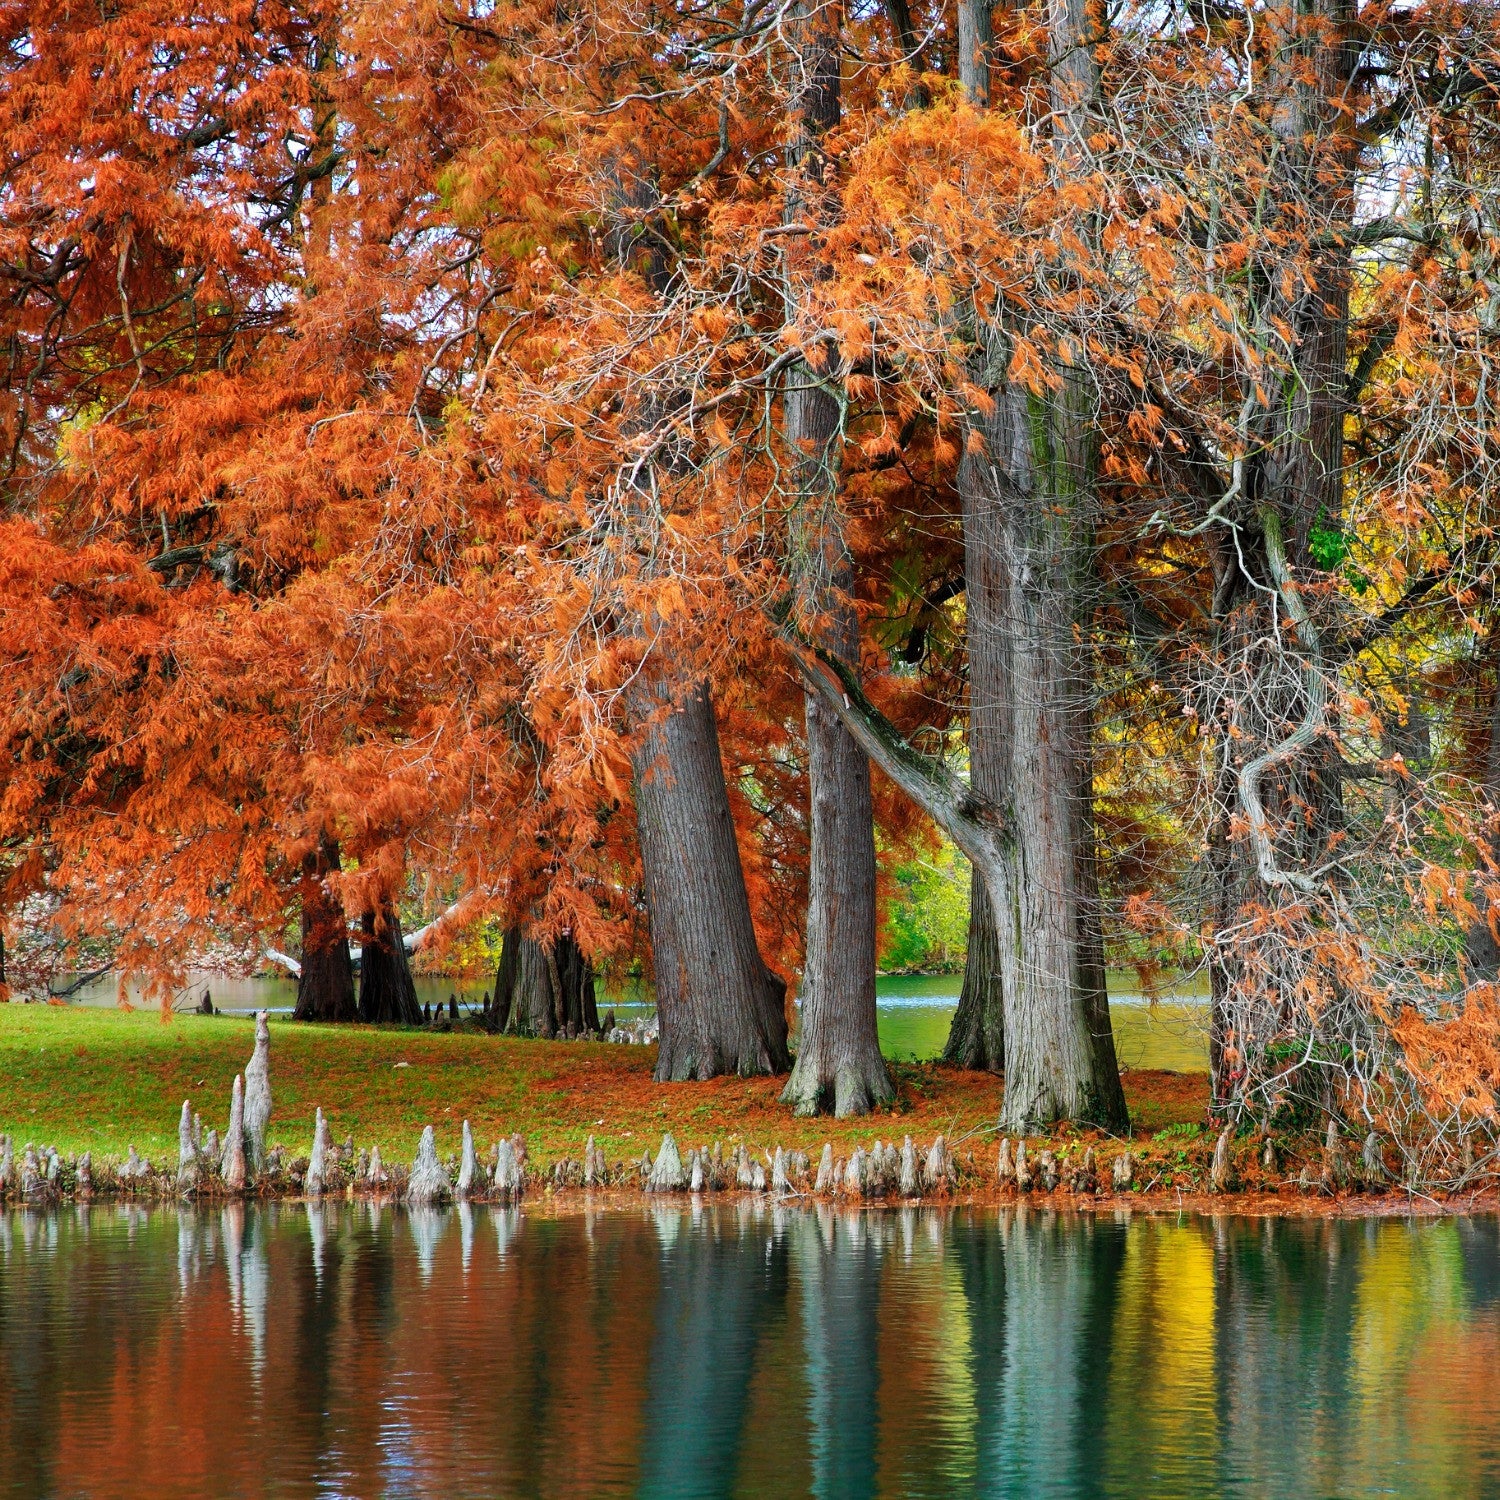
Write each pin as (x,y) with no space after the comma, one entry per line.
(1056,1056)
(387,995)
(541,991)
(1482,950)
(325,987)
(976,45)
(721,1009)
(1026,487)
(976,1036)
(839,1067)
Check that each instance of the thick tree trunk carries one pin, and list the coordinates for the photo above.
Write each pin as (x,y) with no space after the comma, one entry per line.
(976,1038)
(838,1066)
(1062,1061)
(523,988)
(720,1008)
(1025,484)
(1060,1054)
(542,992)
(386,992)
(976,45)
(506,978)
(325,987)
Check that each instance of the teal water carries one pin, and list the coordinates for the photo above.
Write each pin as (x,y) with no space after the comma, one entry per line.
(915,1011)
(737,1349)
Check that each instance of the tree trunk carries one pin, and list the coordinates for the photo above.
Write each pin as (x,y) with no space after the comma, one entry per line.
(1481,947)
(721,1010)
(976,45)
(1280,801)
(1061,1062)
(523,988)
(1060,1054)
(540,992)
(976,1039)
(719,1006)
(1025,485)
(386,992)
(578,1010)
(325,987)
(507,976)
(838,1066)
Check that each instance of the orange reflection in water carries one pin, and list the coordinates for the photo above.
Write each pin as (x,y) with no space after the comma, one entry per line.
(736,1348)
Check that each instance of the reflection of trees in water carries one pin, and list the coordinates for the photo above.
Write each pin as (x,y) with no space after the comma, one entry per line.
(1285,1294)
(722,1284)
(838,1274)
(1041,1289)
(1355,1356)
(737,1348)
(426,1225)
(249,1282)
(566,1329)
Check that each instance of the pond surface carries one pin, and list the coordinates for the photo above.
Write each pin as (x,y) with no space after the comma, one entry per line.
(913,1012)
(735,1349)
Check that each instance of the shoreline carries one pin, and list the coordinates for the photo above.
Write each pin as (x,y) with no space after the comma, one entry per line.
(39,1178)
(562,1202)
(588,1116)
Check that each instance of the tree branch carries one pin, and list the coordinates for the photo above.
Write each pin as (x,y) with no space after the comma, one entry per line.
(970,819)
(286,961)
(1388,619)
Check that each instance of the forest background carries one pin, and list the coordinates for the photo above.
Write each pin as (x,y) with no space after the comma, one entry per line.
(535,460)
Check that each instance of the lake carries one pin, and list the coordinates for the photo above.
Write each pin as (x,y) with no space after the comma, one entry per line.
(739,1349)
(913,1012)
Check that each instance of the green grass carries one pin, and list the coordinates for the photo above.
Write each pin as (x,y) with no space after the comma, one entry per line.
(102,1080)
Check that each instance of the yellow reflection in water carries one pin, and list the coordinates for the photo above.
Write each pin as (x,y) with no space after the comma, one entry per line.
(1162,1419)
(1409,1297)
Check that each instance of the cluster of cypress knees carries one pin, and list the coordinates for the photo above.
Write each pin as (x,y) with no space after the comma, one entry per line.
(242,1164)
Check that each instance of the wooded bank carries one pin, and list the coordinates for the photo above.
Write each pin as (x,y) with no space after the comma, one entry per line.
(618,475)
(107,1083)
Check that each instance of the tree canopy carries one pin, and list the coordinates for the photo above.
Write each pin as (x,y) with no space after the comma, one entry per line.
(1084,413)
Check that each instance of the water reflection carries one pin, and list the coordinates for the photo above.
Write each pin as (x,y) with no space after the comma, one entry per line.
(734,1348)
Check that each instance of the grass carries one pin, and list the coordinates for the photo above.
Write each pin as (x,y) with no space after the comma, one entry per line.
(102,1080)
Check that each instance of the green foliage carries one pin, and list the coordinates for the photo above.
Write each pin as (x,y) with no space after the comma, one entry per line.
(926,927)
(1328,545)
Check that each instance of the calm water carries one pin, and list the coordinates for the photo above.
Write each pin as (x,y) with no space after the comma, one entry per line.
(914,1012)
(737,1349)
